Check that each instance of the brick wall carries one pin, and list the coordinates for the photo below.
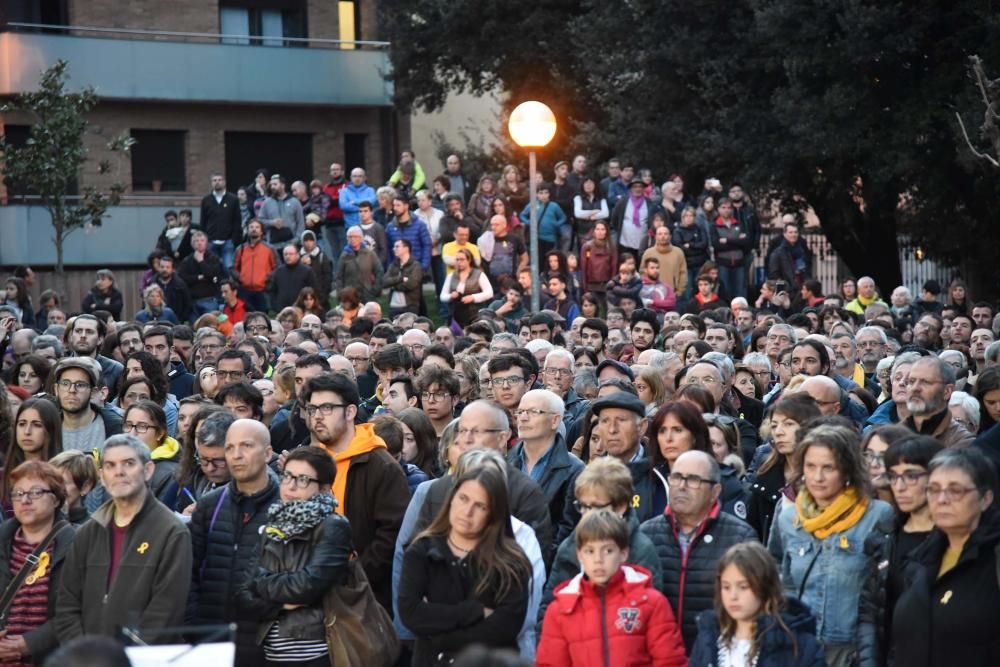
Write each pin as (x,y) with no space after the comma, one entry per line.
(175,15)
(324,19)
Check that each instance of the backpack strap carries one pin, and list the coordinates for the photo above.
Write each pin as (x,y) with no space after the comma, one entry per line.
(211,525)
(30,563)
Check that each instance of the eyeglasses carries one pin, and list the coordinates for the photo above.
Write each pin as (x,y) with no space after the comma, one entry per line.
(300,481)
(725,420)
(415,347)
(258,328)
(207,462)
(33,495)
(74,386)
(235,375)
(211,346)
(434,396)
(581,508)
(507,381)
(692,482)
(910,477)
(265,391)
(132,396)
(358,360)
(325,409)
(557,372)
(873,457)
(476,432)
(531,412)
(952,493)
(138,427)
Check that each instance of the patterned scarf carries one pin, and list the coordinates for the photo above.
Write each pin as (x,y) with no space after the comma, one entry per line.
(287,520)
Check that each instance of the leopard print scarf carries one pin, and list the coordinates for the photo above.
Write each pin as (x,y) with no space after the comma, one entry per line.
(287,520)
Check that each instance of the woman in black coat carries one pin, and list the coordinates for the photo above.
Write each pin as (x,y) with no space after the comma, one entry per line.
(949,609)
(104,296)
(305,548)
(465,580)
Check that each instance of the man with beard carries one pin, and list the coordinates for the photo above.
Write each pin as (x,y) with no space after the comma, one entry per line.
(370,485)
(85,423)
(255,262)
(961,329)
(871,342)
(175,291)
(927,332)
(929,386)
(845,350)
(643,328)
(158,341)
(225,536)
(85,340)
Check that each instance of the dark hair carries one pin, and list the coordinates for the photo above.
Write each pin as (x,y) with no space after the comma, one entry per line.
(987,381)
(187,467)
(51,421)
(498,563)
(438,350)
(586,351)
(152,371)
(820,349)
(361,326)
(643,315)
(386,331)
(699,345)
(390,429)
(507,361)
(156,414)
(38,364)
(235,354)
(307,360)
(690,418)
(427,441)
(800,407)
(444,378)
(481,328)
(544,319)
(22,299)
(393,355)
(244,392)
(915,449)
(154,396)
(332,382)
(320,461)
(597,325)
(696,394)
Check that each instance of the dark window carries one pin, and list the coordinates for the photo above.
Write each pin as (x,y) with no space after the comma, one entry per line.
(355,149)
(262,21)
(288,154)
(44,12)
(158,161)
(17,136)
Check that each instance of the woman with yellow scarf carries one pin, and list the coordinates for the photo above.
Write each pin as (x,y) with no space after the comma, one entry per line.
(819,540)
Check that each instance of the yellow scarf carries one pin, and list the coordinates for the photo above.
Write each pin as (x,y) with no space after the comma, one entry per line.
(838,516)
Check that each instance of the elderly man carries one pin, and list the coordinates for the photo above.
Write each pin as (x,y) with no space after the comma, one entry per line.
(929,386)
(691,537)
(558,373)
(358,267)
(360,357)
(416,341)
(542,453)
(779,337)
(485,426)
(866,296)
(871,343)
(894,410)
(832,400)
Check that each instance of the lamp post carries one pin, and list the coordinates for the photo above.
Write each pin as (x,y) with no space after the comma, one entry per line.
(532,125)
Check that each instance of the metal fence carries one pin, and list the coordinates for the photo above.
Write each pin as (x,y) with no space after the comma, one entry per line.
(830,270)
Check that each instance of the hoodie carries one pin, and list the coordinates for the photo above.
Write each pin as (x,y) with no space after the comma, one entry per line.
(363,442)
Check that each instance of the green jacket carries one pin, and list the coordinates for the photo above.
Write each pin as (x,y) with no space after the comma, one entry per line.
(150,588)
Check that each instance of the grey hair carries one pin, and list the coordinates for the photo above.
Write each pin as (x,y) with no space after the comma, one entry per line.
(725,364)
(418,333)
(474,459)
(209,332)
(945,370)
(878,331)
(789,329)
(991,350)
(539,344)
(585,377)
(212,430)
(504,336)
(944,354)
(884,363)
(128,440)
(905,358)
(46,341)
(660,360)
(448,436)
(555,404)
(757,359)
(970,461)
(354,229)
(968,404)
(562,353)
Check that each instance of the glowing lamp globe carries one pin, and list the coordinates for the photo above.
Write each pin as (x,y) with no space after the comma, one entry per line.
(532,124)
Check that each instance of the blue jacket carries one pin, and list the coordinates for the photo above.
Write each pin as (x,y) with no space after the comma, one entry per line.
(350,196)
(884,414)
(419,237)
(776,647)
(550,219)
(826,574)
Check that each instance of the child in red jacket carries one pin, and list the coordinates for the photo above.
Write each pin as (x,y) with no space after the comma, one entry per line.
(609,614)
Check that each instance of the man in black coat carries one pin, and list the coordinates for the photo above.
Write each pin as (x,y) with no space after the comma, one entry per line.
(175,290)
(220,218)
(225,536)
(689,565)
(288,279)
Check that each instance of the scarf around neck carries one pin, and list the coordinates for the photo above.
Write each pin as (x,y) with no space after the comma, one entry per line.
(286,520)
(838,516)
(636,209)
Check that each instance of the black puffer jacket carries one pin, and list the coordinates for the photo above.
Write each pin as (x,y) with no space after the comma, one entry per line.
(299,571)
(764,493)
(222,556)
(689,581)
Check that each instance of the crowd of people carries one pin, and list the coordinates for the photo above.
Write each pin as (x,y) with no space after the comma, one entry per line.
(665,465)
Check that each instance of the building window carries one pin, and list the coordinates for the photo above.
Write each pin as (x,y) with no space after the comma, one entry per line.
(42,12)
(265,22)
(158,161)
(355,148)
(285,153)
(349,14)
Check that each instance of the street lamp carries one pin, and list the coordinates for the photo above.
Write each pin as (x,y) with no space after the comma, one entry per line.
(532,125)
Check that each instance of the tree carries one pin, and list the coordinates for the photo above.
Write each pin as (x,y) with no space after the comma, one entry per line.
(48,164)
(846,106)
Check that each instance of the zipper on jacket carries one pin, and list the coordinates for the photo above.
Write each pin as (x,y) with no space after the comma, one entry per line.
(604,632)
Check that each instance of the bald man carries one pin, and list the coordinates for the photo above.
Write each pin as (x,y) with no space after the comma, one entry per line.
(832,399)
(225,535)
(341,364)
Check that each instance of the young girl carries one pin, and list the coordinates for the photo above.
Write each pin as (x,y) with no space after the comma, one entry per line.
(753,623)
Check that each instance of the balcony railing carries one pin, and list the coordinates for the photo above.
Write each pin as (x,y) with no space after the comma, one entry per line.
(157,65)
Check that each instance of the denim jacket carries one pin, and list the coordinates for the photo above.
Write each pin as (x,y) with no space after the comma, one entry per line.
(827,575)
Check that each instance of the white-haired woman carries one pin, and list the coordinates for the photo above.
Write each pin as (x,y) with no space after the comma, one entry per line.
(155,308)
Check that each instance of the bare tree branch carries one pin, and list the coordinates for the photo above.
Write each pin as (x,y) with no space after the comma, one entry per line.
(983,156)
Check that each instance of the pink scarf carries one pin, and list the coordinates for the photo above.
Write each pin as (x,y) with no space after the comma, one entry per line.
(636,209)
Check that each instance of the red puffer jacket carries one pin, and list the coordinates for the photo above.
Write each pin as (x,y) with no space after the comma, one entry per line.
(628,624)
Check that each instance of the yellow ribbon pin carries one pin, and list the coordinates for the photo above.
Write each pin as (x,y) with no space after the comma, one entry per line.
(43,564)
(143,547)
(635,501)
(844,544)
(946,598)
